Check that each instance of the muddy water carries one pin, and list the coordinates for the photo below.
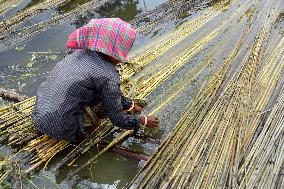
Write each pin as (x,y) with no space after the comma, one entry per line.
(24,70)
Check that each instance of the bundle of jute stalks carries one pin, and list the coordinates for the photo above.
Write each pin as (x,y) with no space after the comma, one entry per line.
(16,127)
(229,136)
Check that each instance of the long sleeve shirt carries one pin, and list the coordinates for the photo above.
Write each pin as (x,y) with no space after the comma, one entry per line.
(81,78)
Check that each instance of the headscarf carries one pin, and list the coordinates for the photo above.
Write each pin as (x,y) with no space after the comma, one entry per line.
(111,36)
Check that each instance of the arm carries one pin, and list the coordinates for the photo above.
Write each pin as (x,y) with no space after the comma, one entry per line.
(131,106)
(126,102)
(112,99)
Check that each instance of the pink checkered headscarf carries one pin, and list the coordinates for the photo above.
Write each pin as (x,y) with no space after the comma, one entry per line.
(111,36)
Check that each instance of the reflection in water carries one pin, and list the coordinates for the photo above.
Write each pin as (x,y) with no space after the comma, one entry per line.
(71,5)
(124,9)
(32,3)
(82,20)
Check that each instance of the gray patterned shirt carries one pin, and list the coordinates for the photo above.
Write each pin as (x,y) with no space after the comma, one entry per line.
(81,78)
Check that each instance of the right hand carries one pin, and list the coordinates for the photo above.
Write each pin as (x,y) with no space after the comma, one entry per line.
(136,109)
(152,121)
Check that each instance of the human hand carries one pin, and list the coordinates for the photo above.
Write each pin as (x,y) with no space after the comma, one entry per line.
(136,109)
(150,121)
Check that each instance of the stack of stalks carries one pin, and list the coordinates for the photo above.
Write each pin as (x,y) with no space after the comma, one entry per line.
(17,128)
(264,163)
(5,169)
(9,169)
(139,59)
(145,85)
(169,10)
(206,111)
(16,125)
(221,139)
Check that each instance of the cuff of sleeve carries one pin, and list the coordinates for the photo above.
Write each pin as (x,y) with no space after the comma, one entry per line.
(131,107)
(126,104)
